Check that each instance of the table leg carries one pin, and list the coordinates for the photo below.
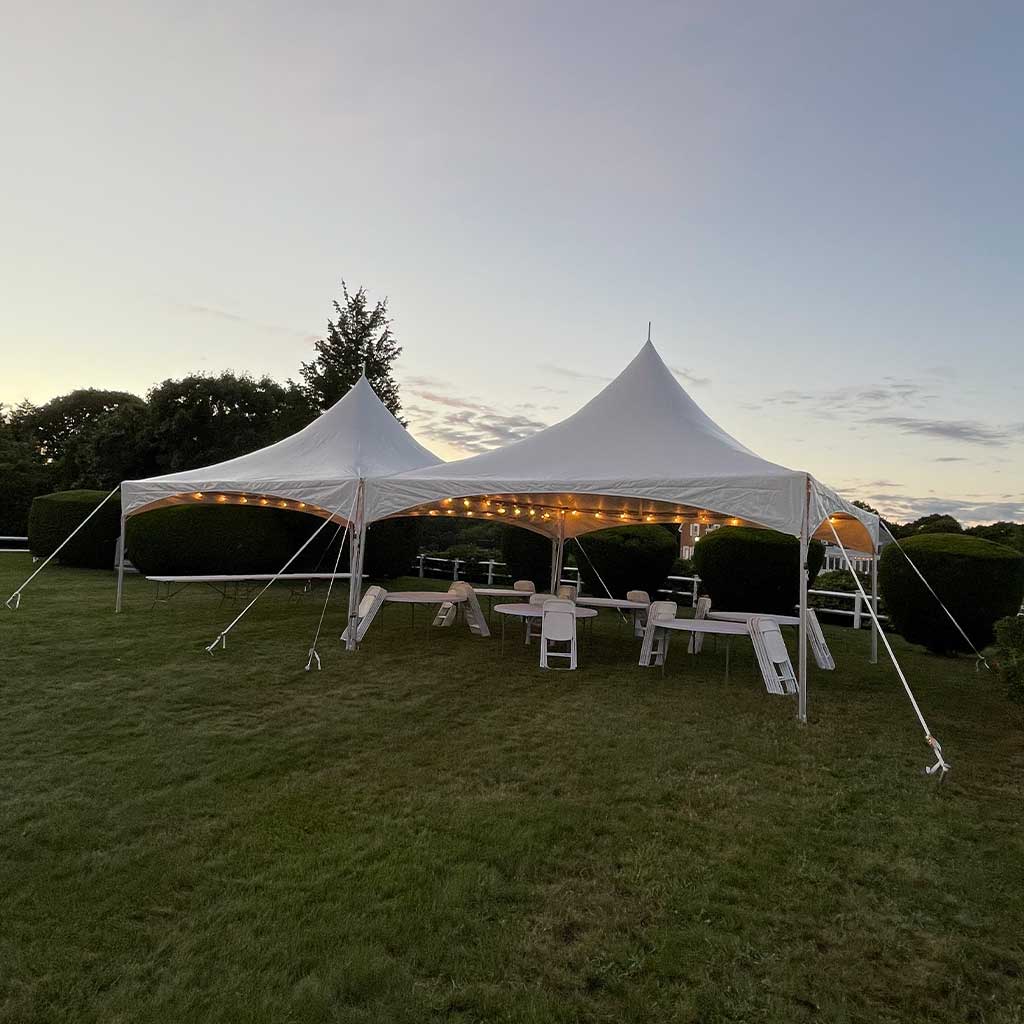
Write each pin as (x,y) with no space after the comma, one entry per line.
(728,645)
(503,634)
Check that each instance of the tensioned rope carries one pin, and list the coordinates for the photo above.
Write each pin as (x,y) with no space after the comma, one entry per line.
(223,634)
(599,579)
(14,601)
(978,655)
(940,764)
(330,586)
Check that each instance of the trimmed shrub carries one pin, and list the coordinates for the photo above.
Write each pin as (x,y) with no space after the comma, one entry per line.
(527,556)
(391,547)
(195,540)
(977,580)
(683,567)
(1010,655)
(628,558)
(53,517)
(744,569)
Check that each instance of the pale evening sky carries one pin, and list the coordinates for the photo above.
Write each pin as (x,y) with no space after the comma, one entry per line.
(818,204)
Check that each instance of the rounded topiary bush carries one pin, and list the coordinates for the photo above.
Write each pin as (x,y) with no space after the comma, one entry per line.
(53,517)
(391,547)
(196,540)
(1010,655)
(977,580)
(527,556)
(627,558)
(743,569)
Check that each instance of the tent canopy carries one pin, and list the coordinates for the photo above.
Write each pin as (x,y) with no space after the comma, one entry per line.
(640,451)
(315,470)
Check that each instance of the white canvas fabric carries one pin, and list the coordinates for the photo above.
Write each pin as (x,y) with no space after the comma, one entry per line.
(641,447)
(316,470)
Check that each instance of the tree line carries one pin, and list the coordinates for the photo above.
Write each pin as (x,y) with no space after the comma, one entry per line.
(95,438)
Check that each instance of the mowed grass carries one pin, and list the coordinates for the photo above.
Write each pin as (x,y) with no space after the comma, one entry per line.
(430,831)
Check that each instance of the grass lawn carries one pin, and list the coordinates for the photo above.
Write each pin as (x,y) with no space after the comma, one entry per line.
(427,830)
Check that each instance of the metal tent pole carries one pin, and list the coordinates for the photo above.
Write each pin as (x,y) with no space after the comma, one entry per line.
(802,641)
(874,605)
(120,568)
(355,554)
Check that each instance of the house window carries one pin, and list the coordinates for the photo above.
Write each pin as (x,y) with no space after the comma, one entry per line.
(694,532)
(713,526)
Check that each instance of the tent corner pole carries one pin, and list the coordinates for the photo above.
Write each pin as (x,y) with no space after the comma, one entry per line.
(874,605)
(802,641)
(355,565)
(120,569)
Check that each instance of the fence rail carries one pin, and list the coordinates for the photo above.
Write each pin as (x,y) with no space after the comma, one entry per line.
(450,568)
(13,543)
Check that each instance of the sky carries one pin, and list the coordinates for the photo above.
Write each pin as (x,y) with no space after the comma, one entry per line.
(817,204)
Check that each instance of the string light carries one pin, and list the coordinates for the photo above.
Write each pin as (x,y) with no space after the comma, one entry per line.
(263,501)
(470,512)
(501,510)
(222,498)
(517,511)
(597,515)
(198,495)
(465,502)
(447,501)
(282,504)
(451,512)
(433,511)
(533,511)
(575,511)
(302,504)
(650,519)
(243,500)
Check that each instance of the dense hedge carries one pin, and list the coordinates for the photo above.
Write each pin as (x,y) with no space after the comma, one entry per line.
(744,569)
(193,540)
(627,558)
(53,517)
(978,581)
(1010,655)
(391,547)
(527,556)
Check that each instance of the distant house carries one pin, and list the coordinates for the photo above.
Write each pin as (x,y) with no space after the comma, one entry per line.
(690,533)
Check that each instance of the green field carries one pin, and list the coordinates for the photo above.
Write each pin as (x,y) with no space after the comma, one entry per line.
(430,831)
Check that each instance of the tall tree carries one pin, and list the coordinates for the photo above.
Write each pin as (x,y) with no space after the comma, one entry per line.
(200,420)
(358,336)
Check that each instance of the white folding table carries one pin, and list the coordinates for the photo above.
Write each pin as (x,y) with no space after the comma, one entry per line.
(712,626)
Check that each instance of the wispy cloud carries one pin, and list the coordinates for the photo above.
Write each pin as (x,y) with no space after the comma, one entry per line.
(567,371)
(223,314)
(908,507)
(472,429)
(690,378)
(966,431)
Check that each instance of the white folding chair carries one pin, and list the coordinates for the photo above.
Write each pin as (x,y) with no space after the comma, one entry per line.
(474,616)
(533,623)
(822,655)
(639,617)
(567,592)
(368,608)
(558,626)
(700,611)
(772,656)
(526,586)
(448,611)
(654,649)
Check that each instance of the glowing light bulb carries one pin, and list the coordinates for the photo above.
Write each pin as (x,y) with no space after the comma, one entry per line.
(650,519)
(243,500)
(533,511)
(451,512)
(198,495)
(501,510)
(447,501)
(263,501)
(465,502)
(222,498)
(597,515)
(576,512)
(302,504)
(517,511)
(470,512)
(433,511)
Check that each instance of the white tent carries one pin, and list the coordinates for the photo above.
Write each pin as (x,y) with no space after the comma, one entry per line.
(315,470)
(641,451)
(320,470)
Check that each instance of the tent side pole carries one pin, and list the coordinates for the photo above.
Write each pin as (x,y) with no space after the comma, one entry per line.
(120,569)
(355,565)
(802,641)
(874,605)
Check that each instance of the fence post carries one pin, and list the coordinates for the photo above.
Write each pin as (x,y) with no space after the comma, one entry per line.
(857,610)
(490,574)
(455,571)
(693,596)
(421,564)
